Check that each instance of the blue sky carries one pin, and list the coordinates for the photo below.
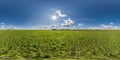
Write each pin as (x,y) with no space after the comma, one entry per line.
(26,13)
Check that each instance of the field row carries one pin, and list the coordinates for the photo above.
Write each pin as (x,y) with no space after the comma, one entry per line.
(60,44)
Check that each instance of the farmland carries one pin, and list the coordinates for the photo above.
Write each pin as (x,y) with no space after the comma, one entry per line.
(60,44)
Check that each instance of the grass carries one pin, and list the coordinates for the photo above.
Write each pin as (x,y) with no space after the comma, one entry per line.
(62,44)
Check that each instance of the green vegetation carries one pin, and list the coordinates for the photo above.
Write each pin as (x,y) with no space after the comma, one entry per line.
(43,44)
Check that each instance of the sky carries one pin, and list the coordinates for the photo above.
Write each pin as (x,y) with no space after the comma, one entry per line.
(59,13)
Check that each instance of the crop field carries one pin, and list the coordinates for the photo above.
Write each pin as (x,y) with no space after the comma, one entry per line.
(59,44)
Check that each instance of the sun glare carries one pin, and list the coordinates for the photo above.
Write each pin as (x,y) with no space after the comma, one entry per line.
(54,18)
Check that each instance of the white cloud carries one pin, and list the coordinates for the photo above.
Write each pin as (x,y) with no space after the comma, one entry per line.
(59,13)
(68,23)
(11,27)
(65,25)
(2,25)
(110,26)
(111,23)
(81,24)
(44,27)
(94,28)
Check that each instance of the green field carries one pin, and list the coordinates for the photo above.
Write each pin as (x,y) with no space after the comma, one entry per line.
(62,44)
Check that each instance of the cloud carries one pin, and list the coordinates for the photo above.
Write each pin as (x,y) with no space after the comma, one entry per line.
(111,23)
(93,28)
(81,24)
(12,27)
(65,25)
(68,23)
(59,13)
(110,26)
(2,25)
(44,27)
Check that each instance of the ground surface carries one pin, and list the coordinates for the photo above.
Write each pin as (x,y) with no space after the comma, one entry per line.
(47,44)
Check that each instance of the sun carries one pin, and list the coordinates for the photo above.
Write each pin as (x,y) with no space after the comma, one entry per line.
(54,18)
